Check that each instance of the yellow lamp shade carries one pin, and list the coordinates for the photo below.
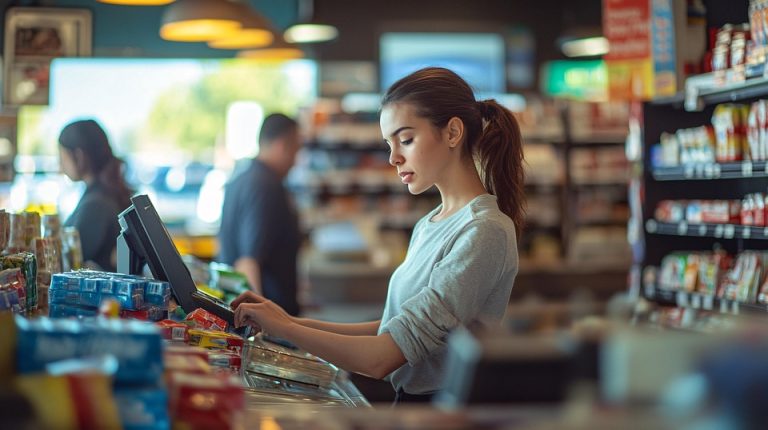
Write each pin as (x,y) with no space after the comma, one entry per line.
(138,2)
(243,39)
(276,54)
(200,20)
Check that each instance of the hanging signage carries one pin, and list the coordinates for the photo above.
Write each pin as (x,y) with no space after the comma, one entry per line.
(640,64)
(577,80)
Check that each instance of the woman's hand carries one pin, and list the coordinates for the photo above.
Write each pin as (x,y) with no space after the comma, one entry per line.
(262,314)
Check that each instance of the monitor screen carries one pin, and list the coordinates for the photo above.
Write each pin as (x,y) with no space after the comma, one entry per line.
(479,58)
(144,240)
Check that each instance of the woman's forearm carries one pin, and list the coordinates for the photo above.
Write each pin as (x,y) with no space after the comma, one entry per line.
(374,356)
(369,328)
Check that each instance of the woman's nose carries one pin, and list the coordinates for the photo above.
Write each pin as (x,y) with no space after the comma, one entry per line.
(395,159)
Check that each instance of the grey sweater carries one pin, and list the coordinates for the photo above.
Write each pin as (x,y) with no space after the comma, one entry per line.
(457,271)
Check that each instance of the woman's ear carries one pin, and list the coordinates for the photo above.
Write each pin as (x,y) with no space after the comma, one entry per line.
(454,131)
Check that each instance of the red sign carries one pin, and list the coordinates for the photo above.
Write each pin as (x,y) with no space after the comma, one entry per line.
(627,26)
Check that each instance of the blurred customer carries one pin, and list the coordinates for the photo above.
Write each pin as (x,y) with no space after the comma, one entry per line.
(259,233)
(86,155)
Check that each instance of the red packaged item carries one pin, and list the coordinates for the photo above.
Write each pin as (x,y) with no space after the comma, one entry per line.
(206,320)
(173,331)
(225,359)
(715,211)
(223,405)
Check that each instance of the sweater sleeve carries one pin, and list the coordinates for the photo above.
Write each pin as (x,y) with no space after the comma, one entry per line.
(459,285)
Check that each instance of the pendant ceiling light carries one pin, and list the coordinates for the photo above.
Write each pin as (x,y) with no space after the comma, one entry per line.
(255,32)
(200,20)
(308,31)
(279,50)
(138,2)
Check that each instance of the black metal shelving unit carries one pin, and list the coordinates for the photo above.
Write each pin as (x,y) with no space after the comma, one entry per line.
(701,181)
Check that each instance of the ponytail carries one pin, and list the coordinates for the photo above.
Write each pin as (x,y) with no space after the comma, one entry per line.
(499,151)
(493,134)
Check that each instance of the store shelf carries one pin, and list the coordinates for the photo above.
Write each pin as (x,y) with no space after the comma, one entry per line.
(707,302)
(719,231)
(734,92)
(711,171)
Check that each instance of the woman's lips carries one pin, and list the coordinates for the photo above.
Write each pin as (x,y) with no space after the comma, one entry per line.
(406,177)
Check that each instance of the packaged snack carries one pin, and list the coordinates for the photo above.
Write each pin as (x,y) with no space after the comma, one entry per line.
(224,401)
(225,359)
(206,320)
(672,271)
(173,331)
(215,339)
(137,346)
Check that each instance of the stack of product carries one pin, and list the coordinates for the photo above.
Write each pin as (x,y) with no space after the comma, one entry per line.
(740,278)
(70,364)
(18,286)
(750,211)
(80,293)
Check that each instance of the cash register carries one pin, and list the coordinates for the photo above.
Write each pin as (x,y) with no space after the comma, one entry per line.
(144,240)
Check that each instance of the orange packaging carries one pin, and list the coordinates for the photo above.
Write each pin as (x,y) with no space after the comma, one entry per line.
(206,320)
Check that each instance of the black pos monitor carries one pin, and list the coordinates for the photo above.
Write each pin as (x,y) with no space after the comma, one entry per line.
(144,240)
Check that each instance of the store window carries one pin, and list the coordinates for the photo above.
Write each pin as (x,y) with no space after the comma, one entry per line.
(180,125)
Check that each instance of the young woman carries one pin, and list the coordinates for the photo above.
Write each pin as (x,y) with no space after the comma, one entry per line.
(462,259)
(85,155)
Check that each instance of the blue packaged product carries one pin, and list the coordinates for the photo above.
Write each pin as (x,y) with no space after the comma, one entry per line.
(90,299)
(142,408)
(136,345)
(61,310)
(61,297)
(157,293)
(65,281)
(129,292)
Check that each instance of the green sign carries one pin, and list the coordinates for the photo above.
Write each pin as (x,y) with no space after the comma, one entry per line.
(575,79)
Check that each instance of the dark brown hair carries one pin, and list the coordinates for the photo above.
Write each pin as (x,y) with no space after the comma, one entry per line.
(88,136)
(492,132)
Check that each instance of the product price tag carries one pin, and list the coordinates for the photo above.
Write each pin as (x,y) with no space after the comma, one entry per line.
(682,228)
(708,302)
(746,232)
(702,230)
(695,301)
(746,169)
(682,299)
(719,230)
(729,232)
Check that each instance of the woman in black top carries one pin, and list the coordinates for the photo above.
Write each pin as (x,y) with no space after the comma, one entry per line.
(86,156)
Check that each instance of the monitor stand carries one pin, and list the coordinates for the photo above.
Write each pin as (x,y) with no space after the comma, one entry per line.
(128,262)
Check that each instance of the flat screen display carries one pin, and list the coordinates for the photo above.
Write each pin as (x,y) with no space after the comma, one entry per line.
(476,57)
